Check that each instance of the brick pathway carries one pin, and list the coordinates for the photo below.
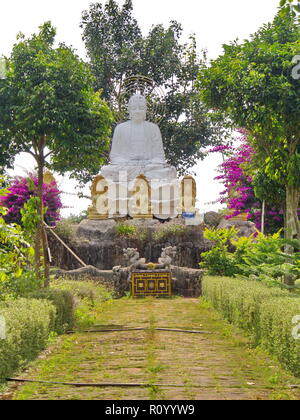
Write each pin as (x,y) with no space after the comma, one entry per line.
(219,365)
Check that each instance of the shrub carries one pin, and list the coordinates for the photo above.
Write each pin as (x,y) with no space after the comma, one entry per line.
(125,230)
(170,231)
(88,293)
(264,259)
(18,284)
(28,325)
(261,258)
(63,301)
(21,190)
(84,289)
(276,325)
(130,231)
(65,229)
(218,261)
(16,260)
(264,313)
(75,219)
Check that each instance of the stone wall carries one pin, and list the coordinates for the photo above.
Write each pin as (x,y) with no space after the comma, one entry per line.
(98,244)
(185,281)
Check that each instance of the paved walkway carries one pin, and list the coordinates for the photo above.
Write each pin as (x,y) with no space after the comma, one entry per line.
(218,365)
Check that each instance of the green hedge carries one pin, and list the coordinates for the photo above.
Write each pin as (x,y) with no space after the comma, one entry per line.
(63,301)
(28,324)
(90,290)
(265,313)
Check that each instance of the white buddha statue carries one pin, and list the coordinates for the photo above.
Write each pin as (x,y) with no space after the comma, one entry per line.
(137,148)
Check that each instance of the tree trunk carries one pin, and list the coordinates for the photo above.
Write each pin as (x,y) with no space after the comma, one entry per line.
(41,238)
(38,235)
(291,223)
(46,258)
(39,231)
(37,253)
(297,226)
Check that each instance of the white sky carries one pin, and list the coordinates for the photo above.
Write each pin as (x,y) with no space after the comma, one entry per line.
(214,22)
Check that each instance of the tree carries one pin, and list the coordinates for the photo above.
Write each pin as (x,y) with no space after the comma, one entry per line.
(246,187)
(117,50)
(290,6)
(48,109)
(252,84)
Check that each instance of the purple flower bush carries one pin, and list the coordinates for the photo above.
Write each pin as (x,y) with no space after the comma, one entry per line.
(21,189)
(239,191)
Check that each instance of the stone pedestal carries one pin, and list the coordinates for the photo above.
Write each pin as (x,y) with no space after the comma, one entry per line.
(142,198)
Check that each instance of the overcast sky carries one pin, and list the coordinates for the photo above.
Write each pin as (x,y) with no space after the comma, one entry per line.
(214,22)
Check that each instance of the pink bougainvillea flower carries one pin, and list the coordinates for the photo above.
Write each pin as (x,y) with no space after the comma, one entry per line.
(21,189)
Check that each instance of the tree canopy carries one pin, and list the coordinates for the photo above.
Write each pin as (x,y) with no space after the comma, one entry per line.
(47,101)
(117,49)
(48,108)
(291,7)
(252,83)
